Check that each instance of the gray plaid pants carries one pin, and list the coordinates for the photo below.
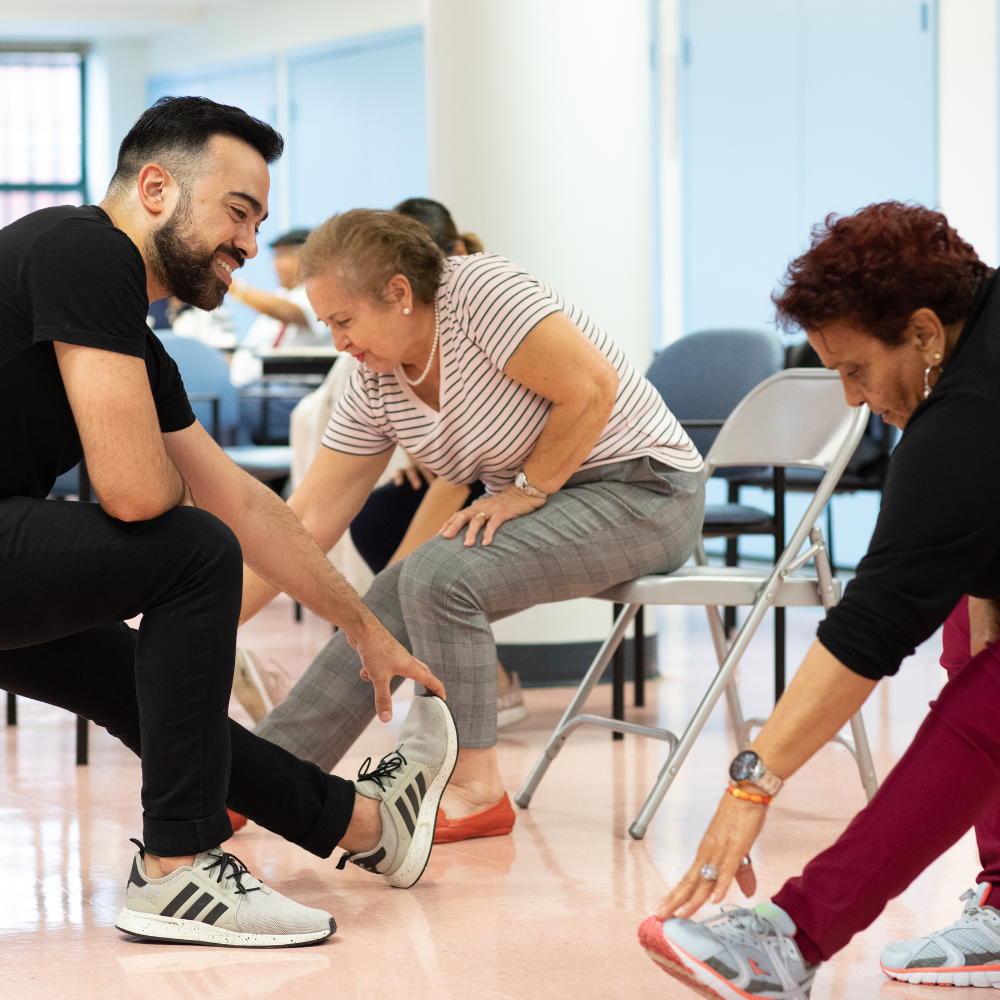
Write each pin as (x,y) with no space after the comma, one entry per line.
(606,525)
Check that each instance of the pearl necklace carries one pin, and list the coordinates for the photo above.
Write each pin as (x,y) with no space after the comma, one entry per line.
(430,360)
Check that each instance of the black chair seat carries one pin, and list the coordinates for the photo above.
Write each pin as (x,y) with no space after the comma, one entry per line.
(732,519)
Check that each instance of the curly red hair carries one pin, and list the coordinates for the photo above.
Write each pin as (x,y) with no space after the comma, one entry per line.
(875,268)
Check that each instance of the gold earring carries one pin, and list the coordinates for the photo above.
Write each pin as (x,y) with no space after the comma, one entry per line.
(937,357)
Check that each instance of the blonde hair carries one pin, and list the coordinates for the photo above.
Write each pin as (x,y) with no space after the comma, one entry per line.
(473,244)
(368,246)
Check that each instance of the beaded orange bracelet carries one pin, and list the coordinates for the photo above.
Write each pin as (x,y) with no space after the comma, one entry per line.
(738,793)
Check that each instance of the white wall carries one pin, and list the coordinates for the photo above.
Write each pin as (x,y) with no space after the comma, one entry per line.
(253,27)
(538,139)
(669,164)
(116,96)
(969,122)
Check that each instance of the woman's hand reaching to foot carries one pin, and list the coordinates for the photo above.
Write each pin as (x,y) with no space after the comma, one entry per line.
(732,832)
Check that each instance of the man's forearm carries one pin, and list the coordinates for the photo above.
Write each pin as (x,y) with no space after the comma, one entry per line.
(283,556)
(822,696)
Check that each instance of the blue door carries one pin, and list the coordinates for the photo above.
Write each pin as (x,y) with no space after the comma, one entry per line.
(358,136)
(790,110)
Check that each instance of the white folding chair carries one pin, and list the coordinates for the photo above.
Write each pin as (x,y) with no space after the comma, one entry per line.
(796,418)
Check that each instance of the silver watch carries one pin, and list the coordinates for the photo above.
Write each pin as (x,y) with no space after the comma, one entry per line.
(521,482)
(747,766)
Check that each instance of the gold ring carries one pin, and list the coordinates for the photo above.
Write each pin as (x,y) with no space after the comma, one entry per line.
(481,514)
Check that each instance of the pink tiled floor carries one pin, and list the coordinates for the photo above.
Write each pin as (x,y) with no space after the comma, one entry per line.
(550,911)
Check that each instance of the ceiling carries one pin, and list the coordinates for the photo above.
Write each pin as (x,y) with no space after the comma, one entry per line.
(43,20)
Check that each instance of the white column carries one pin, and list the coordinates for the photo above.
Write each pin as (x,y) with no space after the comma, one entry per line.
(116,96)
(539,140)
(969,122)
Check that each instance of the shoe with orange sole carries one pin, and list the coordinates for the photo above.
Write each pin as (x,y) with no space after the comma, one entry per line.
(495,821)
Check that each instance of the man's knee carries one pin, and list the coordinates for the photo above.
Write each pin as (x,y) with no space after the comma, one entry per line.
(201,535)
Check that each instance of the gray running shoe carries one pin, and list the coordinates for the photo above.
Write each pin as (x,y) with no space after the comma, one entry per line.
(738,953)
(216,901)
(965,953)
(409,783)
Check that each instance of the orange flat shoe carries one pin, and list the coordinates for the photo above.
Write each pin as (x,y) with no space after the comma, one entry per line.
(495,821)
(237,820)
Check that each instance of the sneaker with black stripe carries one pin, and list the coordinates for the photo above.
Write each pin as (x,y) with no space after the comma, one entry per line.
(216,901)
(409,783)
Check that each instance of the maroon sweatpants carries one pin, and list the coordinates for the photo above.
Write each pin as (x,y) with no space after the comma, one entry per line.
(947,781)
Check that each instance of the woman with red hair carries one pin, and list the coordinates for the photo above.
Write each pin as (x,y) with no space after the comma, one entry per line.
(897,303)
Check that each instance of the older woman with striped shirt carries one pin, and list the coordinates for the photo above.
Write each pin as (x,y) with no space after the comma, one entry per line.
(479,371)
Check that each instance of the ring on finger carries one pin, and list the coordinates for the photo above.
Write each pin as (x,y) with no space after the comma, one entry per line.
(709,872)
(482,515)
(745,860)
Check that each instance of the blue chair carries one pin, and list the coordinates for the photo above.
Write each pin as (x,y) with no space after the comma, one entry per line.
(216,404)
(702,377)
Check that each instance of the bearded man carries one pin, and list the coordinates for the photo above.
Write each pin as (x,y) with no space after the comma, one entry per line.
(82,376)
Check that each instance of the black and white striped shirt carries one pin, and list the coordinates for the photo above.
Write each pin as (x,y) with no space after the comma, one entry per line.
(488,423)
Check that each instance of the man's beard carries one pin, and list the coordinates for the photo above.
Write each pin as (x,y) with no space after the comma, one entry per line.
(183,271)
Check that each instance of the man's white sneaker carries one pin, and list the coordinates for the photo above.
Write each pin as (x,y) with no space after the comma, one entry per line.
(258,686)
(409,783)
(965,953)
(737,953)
(216,901)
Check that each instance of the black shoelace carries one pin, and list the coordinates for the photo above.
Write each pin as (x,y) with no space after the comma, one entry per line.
(386,770)
(237,871)
(222,860)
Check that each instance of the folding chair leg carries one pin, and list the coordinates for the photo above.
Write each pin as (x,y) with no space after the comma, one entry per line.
(590,679)
(718,632)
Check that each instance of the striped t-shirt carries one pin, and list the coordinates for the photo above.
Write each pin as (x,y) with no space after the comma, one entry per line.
(488,423)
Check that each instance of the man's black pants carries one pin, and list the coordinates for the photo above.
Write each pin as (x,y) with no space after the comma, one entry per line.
(69,576)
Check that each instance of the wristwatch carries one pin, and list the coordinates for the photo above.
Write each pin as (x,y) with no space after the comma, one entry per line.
(521,482)
(747,766)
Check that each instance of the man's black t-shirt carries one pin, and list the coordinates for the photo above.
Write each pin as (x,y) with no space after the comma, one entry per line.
(66,274)
(938,532)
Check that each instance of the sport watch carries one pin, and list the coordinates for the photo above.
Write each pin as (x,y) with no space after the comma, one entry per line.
(747,766)
(521,482)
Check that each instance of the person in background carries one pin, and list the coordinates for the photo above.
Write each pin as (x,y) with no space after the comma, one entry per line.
(286,318)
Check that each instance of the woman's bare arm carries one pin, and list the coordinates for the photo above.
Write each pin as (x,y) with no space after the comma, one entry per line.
(334,489)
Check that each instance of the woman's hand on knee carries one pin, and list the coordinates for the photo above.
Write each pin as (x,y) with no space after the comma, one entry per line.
(730,835)
(383,658)
(489,513)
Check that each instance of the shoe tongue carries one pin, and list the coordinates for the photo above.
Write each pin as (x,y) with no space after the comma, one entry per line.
(777,916)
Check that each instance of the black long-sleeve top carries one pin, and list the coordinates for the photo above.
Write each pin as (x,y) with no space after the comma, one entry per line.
(938,532)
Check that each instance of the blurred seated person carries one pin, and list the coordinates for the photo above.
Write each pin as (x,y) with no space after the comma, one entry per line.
(286,318)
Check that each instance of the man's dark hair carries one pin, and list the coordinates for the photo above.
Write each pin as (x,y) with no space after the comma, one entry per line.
(293,238)
(176,129)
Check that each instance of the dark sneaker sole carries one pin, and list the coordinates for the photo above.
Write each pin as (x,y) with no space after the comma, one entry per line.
(419,852)
(977,975)
(677,963)
(154,927)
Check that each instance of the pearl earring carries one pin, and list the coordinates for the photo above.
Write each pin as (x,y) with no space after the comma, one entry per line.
(406,311)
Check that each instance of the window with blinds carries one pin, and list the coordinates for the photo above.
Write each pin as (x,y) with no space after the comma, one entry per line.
(42,147)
